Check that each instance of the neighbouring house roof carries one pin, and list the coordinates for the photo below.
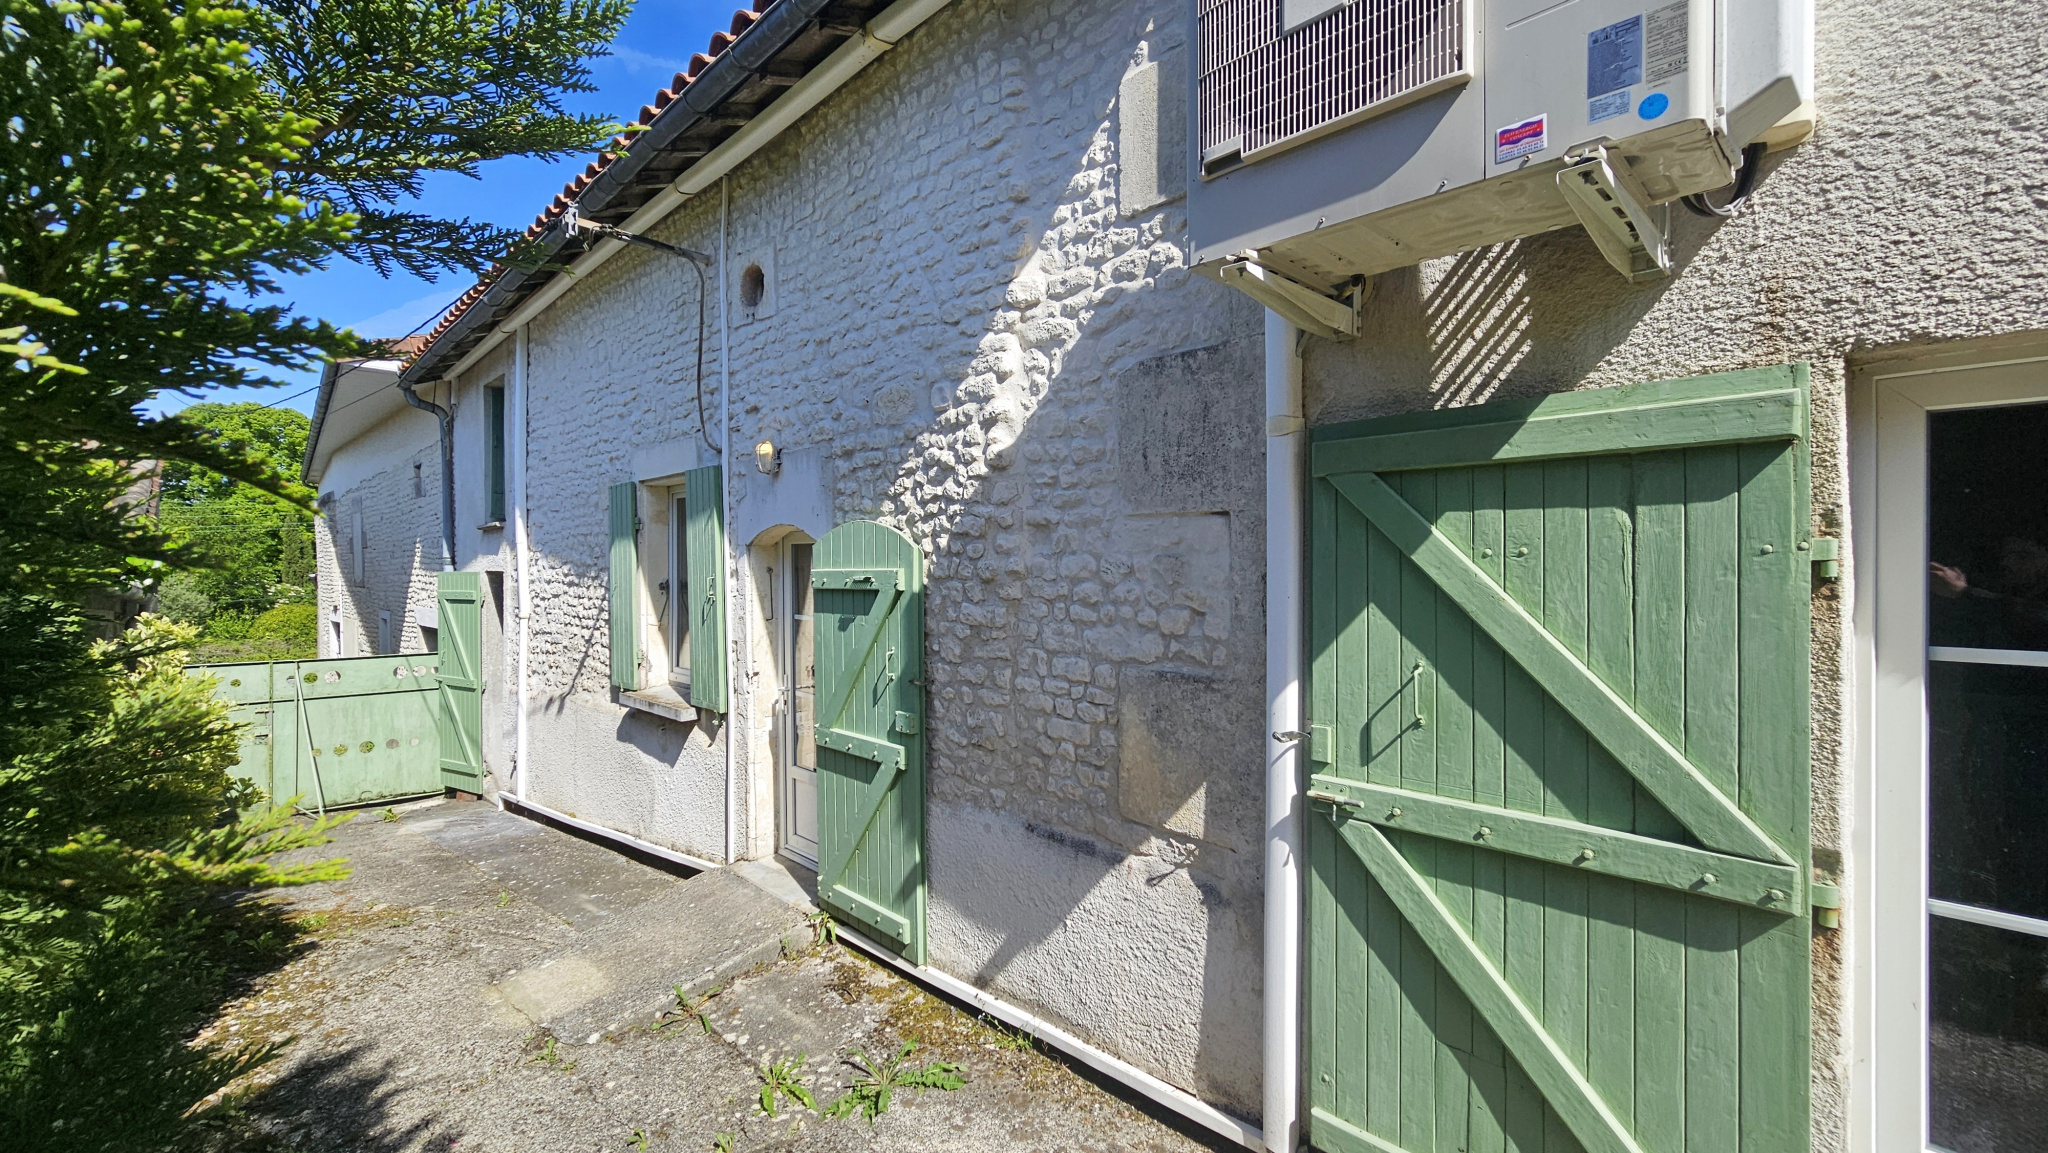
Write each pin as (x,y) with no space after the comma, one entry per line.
(767,48)
(355,396)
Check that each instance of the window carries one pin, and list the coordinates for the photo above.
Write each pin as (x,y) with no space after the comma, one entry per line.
(419,479)
(675,590)
(355,544)
(384,631)
(494,453)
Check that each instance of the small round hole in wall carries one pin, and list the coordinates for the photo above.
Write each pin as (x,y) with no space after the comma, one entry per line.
(753,285)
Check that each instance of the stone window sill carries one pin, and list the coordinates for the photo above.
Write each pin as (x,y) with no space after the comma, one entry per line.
(491,526)
(662,701)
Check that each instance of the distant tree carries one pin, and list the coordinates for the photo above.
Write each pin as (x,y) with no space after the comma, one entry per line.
(253,548)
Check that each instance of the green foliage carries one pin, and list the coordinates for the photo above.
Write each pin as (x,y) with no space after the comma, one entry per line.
(294,623)
(164,161)
(255,548)
(401,88)
(722,1142)
(824,930)
(687,1009)
(784,1081)
(875,1082)
(119,843)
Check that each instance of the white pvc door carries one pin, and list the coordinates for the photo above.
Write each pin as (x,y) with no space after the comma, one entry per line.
(798,769)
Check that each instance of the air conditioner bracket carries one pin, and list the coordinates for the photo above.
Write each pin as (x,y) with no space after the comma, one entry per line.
(1604,194)
(1309,309)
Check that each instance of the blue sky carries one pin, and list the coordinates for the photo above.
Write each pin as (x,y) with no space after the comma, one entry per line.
(655,45)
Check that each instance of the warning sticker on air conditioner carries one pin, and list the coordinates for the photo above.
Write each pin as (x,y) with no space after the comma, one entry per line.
(1518,140)
(1667,43)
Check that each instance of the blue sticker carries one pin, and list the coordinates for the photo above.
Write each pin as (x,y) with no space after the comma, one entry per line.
(1614,57)
(1607,107)
(1654,105)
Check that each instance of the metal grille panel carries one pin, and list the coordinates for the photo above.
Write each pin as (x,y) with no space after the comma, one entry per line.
(1259,86)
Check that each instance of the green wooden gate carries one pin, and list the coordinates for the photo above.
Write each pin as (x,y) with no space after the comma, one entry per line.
(461,597)
(867,584)
(335,732)
(1558,836)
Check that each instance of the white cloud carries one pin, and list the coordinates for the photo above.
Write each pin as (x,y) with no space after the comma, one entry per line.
(635,61)
(404,318)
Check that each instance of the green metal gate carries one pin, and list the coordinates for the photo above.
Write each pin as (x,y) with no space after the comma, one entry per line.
(336,732)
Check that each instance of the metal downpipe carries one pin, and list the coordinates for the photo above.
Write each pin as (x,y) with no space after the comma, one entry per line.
(1284,743)
(447,420)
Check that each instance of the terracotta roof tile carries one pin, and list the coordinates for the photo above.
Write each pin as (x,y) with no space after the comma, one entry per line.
(742,19)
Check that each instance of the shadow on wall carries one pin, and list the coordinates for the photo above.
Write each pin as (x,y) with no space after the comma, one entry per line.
(1523,318)
(1082,696)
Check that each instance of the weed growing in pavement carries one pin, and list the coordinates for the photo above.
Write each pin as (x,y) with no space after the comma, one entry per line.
(876,1081)
(824,930)
(548,1054)
(1003,1037)
(390,814)
(722,1142)
(688,1010)
(504,898)
(784,1079)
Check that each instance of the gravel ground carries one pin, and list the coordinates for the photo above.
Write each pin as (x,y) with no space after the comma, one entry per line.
(397,1037)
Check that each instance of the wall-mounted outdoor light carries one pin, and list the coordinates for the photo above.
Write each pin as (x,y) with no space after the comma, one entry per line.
(767,458)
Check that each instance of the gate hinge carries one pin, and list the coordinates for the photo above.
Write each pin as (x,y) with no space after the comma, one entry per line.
(1827,904)
(906,723)
(1826,556)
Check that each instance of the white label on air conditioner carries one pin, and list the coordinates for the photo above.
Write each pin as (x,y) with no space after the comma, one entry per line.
(1614,57)
(1607,107)
(1667,43)
(1524,138)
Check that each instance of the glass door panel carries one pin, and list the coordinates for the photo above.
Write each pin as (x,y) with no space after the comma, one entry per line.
(1987,788)
(800,773)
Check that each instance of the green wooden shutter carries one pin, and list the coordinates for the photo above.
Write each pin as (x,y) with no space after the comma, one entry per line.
(461,721)
(867,583)
(1558,842)
(494,453)
(704,549)
(624,592)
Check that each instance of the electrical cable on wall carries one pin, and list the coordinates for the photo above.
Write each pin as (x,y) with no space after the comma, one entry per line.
(698,260)
(1745,183)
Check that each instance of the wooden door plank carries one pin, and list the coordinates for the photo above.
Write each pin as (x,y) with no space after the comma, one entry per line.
(1416,625)
(1588,1117)
(1610,991)
(1778,415)
(1383,1004)
(1456,772)
(1659,612)
(1610,626)
(1386,676)
(1713,1028)
(1660,1028)
(1649,757)
(1775,958)
(1626,856)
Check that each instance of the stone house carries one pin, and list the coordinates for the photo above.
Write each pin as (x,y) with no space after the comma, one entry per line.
(1482,699)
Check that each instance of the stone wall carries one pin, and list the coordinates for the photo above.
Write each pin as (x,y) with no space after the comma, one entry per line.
(391,479)
(983,343)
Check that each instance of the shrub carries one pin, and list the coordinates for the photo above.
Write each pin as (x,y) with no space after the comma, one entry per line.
(297,623)
(122,867)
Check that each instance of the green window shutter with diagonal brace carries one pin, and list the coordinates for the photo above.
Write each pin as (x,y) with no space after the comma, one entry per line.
(1558,842)
(704,548)
(625,585)
(867,589)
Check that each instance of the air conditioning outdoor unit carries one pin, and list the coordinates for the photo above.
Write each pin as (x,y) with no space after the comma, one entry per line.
(1333,139)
